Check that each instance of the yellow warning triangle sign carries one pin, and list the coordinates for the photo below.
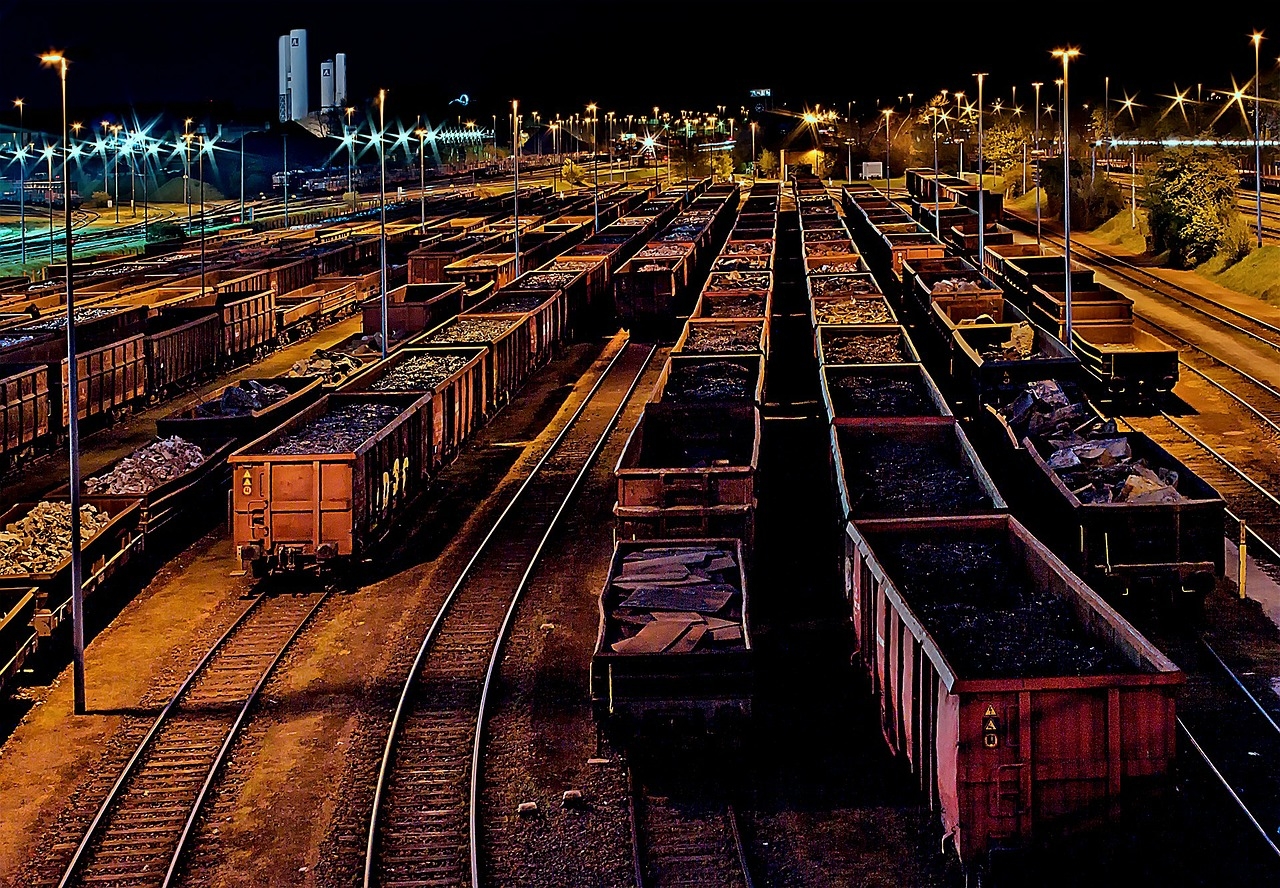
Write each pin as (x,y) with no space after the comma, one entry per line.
(990,713)
(989,724)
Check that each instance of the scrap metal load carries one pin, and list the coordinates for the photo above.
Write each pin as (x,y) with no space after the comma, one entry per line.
(40,541)
(341,430)
(245,397)
(677,601)
(674,635)
(147,468)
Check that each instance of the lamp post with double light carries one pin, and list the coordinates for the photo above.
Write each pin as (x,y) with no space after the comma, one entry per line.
(888,145)
(22,179)
(73,417)
(1257,129)
(1066,55)
(1037,86)
(595,167)
(982,216)
(382,213)
(422,176)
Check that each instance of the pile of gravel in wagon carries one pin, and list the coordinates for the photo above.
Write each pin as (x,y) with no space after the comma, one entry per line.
(472,329)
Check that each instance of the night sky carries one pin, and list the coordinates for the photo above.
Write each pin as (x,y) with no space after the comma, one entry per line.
(557,55)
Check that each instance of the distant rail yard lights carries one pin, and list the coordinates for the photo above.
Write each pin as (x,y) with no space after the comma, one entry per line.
(73,417)
(1257,130)
(382,213)
(1066,55)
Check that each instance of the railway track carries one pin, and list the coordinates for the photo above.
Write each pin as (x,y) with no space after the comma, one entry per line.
(685,844)
(140,831)
(1232,319)
(1237,738)
(423,827)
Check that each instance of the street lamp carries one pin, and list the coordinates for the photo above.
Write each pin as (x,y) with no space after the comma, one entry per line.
(422,176)
(753,152)
(186,172)
(382,220)
(515,193)
(1257,131)
(595,166)
(1066,55)
(73,412)
(937,210)
(22,179)
(959,138)
(351,159)
(200,166)
(115,170)
(1037,86)
(982,215)
(888,144)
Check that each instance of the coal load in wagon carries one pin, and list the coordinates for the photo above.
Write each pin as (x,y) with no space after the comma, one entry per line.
(877,348)
(858,396)
(59,321)
(420,373)
(147,468)
(677,601)
(514,303)
(341,430)
(745,306)
(544,280)
(709,381)
(243,398)
(853,311)
(900,477)
(694,439)
(39,541)
(721,338)
(472,329)
(974,598)
(1088,453)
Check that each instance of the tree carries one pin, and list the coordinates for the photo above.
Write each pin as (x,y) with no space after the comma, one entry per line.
(768,162)
(1002,146)
(1191,204)
(1094,200)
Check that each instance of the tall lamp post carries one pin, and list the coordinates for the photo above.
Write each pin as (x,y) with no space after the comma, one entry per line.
(982,215)
(200,168)
(1257,130)
(73,418)
(422,177)
(888,144)
(959,139)
(350,139)
(186,170)
(515,193)
(937,211)
(753,152)
(1066,55)
(1037,86)
(595,166)
(382,218)
(22,179)
(115,170)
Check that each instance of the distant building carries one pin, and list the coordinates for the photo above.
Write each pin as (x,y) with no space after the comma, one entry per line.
(292,83)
